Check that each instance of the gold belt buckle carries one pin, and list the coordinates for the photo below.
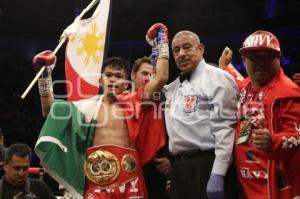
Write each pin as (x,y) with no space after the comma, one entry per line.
(102,167)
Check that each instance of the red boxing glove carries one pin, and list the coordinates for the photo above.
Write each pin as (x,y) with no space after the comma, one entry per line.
(46,58)
(157,34)
(157,37)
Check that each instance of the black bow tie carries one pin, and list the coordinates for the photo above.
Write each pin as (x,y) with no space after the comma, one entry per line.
(184,76)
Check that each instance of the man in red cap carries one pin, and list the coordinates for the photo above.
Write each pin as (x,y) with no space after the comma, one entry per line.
(268,127)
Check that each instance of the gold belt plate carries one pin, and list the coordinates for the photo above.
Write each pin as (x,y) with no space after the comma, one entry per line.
(102,167)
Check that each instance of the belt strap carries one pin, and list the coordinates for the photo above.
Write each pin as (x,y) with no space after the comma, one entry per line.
(110,166)
(194,153)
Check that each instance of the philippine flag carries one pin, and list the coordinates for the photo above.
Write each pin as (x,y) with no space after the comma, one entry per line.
(85,53)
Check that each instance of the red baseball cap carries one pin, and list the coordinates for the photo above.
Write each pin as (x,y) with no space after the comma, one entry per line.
(261,40)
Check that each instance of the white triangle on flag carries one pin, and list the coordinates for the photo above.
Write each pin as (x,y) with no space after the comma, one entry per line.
(85,48)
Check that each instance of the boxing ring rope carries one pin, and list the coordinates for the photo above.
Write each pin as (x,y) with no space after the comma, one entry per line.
(37,170)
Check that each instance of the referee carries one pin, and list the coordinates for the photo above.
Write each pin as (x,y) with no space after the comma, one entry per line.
(200,114)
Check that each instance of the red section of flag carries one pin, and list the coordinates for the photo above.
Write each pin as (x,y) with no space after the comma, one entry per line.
(77,88)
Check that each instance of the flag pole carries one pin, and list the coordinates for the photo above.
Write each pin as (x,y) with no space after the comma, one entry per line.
(37,76)
(61,42)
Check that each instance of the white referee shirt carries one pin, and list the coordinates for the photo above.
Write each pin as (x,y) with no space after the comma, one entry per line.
(201,114)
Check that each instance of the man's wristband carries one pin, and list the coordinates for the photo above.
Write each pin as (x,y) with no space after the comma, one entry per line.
(45,86)
(163,51)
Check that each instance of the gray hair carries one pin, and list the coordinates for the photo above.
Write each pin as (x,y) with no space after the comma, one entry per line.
(189,33)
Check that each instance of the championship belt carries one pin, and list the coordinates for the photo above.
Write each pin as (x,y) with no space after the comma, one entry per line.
(109,166)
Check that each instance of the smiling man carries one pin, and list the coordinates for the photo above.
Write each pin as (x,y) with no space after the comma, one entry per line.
(267,133)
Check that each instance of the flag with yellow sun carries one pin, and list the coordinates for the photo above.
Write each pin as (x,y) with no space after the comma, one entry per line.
(85,52)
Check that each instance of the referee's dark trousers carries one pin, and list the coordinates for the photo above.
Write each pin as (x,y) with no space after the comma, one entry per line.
(190,174)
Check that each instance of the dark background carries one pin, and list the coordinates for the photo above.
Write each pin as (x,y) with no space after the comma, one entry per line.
(30,26)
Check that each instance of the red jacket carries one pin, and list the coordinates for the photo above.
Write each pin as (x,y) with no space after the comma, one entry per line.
(274,175)
(145,125)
